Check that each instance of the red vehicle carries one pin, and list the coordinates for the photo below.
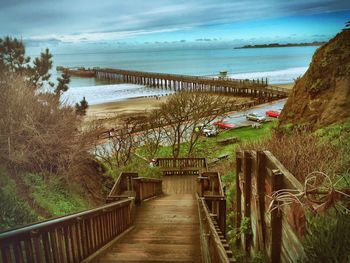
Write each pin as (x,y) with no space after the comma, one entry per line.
(224,124)
(273,113)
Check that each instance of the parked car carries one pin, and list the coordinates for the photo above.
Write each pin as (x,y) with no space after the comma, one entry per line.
(210,130)
(273,113)
(255,117)
(224,124)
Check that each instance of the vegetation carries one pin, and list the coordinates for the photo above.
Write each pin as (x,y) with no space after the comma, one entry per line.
(14,209)
(41,138)
(328,238)
(54,197)
(81,107)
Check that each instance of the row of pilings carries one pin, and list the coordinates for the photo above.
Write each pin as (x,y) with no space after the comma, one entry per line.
(253,88)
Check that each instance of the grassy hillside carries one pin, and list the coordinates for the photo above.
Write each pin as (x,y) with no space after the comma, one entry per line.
(29,197)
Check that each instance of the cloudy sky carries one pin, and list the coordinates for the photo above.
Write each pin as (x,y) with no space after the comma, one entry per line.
(162,21)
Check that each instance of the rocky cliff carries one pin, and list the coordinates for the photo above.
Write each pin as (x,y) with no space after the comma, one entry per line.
(322,96)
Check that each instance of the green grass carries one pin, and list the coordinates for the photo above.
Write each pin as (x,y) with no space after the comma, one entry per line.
(14,210)
(138,166)
(53,196)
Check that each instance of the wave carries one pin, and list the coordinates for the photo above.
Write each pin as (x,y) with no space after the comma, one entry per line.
(274,77)
(109,93)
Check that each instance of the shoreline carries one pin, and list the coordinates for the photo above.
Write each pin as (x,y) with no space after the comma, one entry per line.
(110,113)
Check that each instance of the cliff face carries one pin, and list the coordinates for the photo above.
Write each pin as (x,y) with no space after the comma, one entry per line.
(322,96)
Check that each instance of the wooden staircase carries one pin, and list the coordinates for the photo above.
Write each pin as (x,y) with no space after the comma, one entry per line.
(145,221)
(166,230)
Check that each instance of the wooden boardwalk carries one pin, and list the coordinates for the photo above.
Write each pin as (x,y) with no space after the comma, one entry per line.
(166,230)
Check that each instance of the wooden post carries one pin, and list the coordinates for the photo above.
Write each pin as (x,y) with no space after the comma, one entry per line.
(222,215)
(260,180)
(137,188)
(238,194)
(247,173)
(276,220)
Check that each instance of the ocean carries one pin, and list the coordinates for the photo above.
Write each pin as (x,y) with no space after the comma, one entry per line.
(279,65)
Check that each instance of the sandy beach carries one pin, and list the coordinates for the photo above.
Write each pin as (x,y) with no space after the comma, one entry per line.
(287,85)
(109,114)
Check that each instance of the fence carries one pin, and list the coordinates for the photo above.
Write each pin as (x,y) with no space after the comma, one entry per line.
(70,238)
(276,229)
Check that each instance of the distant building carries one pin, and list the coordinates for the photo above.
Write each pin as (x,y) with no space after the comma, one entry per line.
(223,74)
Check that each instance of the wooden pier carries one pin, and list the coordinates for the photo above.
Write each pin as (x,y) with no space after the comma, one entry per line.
(258,88)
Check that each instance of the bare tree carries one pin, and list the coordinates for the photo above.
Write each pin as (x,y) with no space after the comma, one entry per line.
(123,140)
(205,109)
(184,112)
(153,136)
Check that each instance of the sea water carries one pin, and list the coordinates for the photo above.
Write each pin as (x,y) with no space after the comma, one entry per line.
(279,65)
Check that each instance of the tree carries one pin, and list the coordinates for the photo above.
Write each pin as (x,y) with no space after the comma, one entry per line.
(184,111)
(153,135)
(62,85)
(39,72)
(81,107)
(117,151)
(38,133)
(347,24)
(12,55)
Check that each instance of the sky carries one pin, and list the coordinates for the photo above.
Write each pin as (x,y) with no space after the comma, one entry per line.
(166,22)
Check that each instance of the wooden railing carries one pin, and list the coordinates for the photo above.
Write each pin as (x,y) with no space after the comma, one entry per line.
(181,166)
(210,188)
(276,231)
(70,238)
(122,188)
(213,243)
(131,185)
(146,188)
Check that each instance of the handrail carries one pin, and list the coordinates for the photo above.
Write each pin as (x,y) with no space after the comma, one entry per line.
(182,165)
(69,238)
(123,183)
(131,185)
(212,244)
(209,187)
(146,188)
(260,174)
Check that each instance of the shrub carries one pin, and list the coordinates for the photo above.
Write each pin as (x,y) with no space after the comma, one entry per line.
(301,153)
(328,238)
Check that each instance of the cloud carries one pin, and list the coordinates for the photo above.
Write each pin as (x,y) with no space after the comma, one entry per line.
(87,20)
(205,39)
(38,41)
